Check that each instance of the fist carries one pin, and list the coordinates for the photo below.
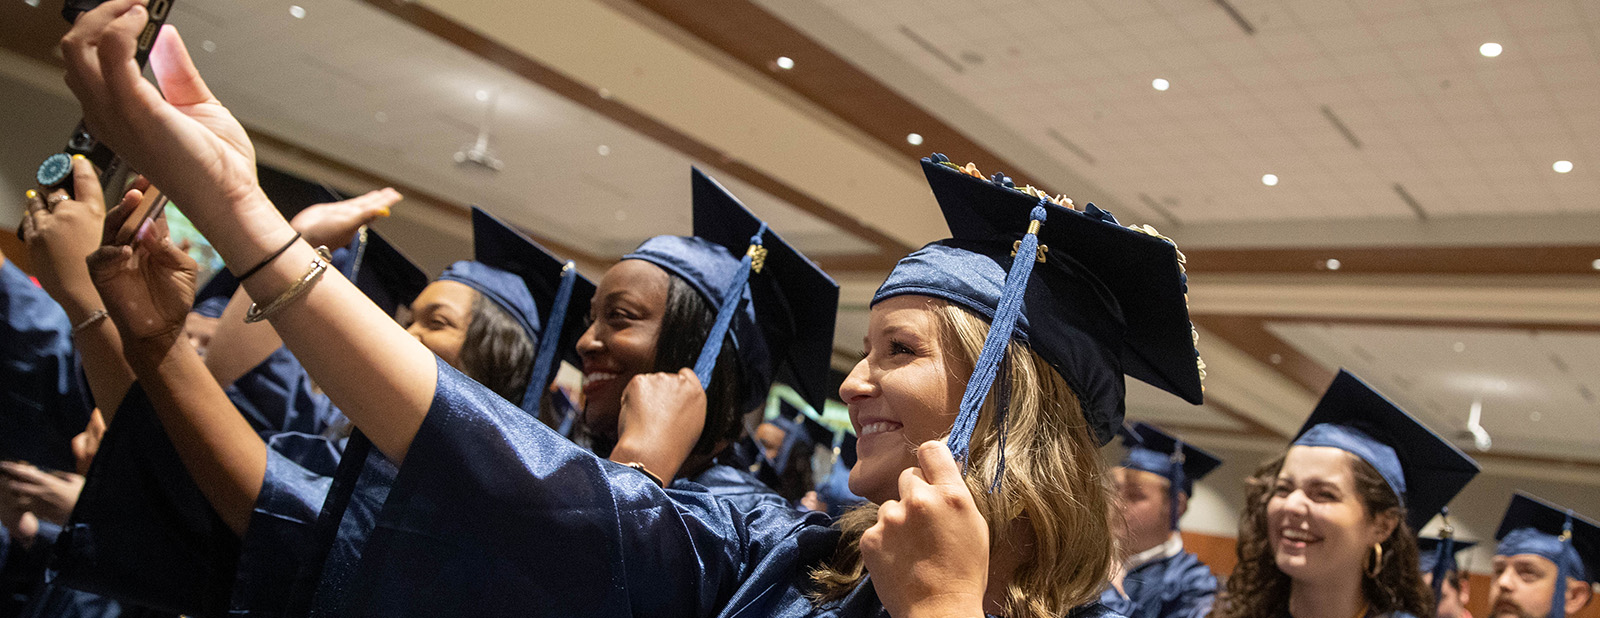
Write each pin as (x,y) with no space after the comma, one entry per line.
(929,552)
(661,419)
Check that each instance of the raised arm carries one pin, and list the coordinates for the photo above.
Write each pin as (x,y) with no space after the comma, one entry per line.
(147,289)
(60,233)
(192,147)
(239,346)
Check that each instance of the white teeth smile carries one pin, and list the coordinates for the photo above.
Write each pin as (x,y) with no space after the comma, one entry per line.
(1298,535)
(590,378)
(878,427)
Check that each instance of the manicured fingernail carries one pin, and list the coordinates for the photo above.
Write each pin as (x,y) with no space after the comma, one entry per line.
(144,231)
(77,156)
(32,194)
(383,213)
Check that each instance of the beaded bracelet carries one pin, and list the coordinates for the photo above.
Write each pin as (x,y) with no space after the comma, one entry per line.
(319,267)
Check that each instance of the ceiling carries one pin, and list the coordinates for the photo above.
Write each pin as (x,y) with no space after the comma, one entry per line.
(603,105)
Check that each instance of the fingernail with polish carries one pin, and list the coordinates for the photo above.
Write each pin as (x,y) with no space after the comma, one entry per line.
(144,231)
(32,194)
(77,156)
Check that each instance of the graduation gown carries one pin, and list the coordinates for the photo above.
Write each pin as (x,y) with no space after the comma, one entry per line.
(494,514)
(1178,586)
(44,400)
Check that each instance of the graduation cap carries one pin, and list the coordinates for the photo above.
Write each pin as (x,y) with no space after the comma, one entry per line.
(1421,468)
(777,304)
(1438,555)
(527,281)
(1533,526)
(1163,454)
(380,271)
(1093,298)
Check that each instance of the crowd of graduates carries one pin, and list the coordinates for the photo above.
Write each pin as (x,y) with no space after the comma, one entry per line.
(319,428)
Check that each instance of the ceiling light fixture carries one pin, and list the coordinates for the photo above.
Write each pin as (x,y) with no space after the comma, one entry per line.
(208,45)
(1270,180)
(297,11)
(915,139)
(1562,167)
(604,150)
(482,95)
(1595,264)
(1489,50)
(1160,84)
(1333,264)
(1475,430)
(785,62)
(1459,347)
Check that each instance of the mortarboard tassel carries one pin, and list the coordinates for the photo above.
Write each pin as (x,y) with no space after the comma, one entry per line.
(1445,551)
(1558,601)
(731,299)
(544,362)
(994,346)
(1177,477)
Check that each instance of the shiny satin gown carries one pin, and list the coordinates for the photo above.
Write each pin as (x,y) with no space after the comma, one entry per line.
(493,514)
(1176,587)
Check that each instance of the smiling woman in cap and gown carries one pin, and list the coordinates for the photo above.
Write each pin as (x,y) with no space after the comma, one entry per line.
(1327,528)
(495,514)
(1158,579)
(1547,562)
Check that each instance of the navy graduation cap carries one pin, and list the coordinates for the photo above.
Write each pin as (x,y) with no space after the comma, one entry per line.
(1437,557)
(776,303)
(1094,299)
(527,281)
(1533,526)
(1422,469)
(1158,452)
(381,271)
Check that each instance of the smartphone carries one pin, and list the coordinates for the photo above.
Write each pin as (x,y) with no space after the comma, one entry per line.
(148,209)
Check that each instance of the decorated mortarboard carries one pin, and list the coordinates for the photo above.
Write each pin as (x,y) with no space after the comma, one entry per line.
(1421,468)
(527,281)
(1572,542)
(776,303)
(1093,298)
(1158,452)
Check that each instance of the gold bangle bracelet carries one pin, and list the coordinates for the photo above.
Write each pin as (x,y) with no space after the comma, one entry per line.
(646,471)
(319,267)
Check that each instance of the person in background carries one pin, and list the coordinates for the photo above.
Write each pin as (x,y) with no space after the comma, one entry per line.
(1547,562)
(1157,578)
(1326,530)
(1444,575)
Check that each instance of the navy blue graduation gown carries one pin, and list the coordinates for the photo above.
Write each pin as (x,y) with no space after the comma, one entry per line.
(494,514)
(44,400)
(1176,587)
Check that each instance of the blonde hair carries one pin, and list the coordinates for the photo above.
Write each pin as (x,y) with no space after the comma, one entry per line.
(1054,481)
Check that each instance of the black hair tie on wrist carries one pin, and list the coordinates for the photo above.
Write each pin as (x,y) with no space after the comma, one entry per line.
(270,258)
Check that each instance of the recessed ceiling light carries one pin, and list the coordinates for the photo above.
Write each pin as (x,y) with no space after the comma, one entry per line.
(299,12)
(621,215)
(1562,167)
(785,62)
(915,139)
(604,94)
(208,45)
(1489,50)
(1459,347)
(381,117)
(1535,416)
(603,149)
(1270,180)
(1160,84)
(1595,264)
(1275,359)
(1333,264)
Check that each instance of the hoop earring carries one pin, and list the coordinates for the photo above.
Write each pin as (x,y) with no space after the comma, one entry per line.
(1377,561)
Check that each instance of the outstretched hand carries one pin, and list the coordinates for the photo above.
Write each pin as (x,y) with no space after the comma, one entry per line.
(186,143)
(929,552)
(333,224)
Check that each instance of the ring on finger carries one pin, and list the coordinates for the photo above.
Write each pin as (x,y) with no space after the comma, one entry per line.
(55,199)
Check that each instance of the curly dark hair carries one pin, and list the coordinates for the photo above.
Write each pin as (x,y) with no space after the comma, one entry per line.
(496,351)
(1257,589)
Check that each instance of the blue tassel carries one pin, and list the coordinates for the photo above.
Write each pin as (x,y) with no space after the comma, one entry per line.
(1558,601)
(544,361)
(994,345)
(731,299)
(1177,477)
